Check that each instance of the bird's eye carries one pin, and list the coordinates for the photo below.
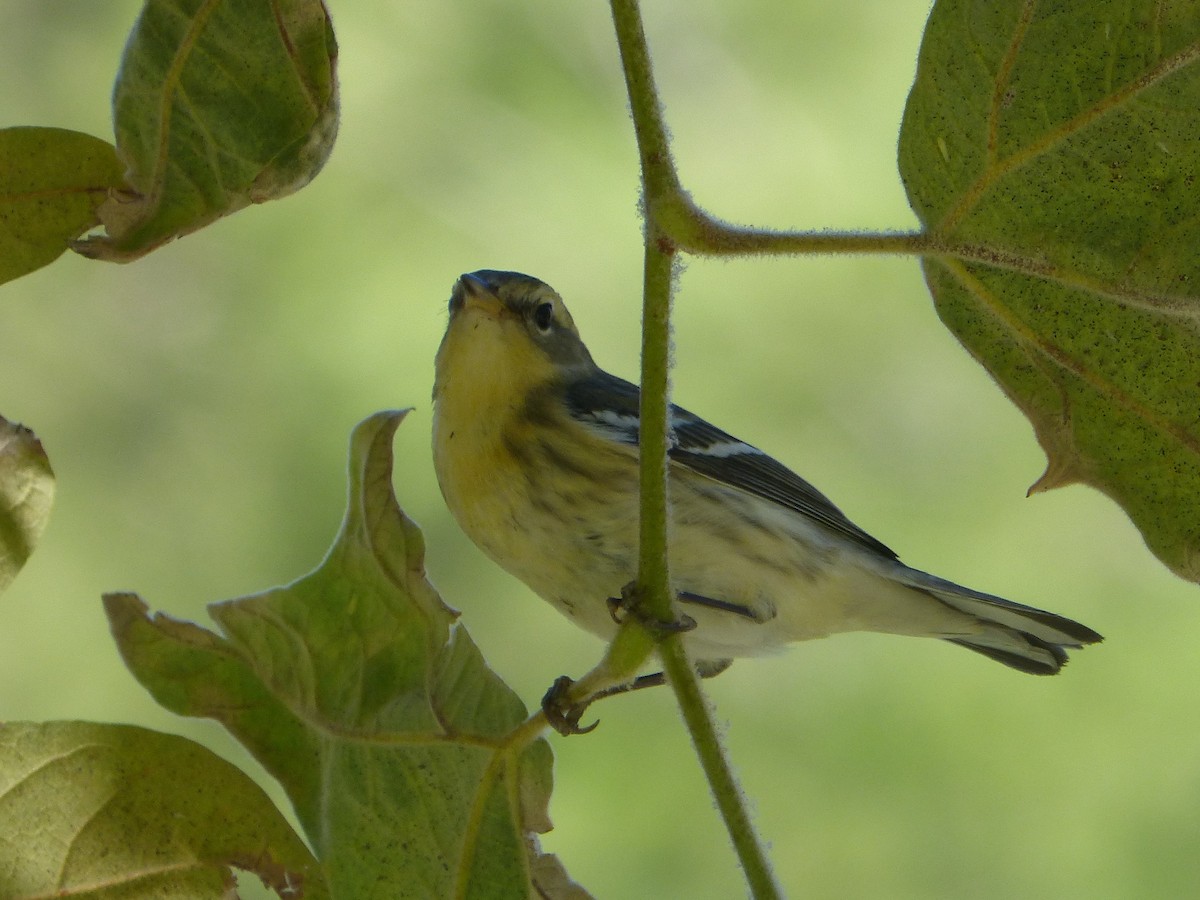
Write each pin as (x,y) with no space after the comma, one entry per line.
(543,316)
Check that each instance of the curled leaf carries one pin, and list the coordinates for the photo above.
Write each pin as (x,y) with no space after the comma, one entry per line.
(218,104)
(358,689)
(26,495)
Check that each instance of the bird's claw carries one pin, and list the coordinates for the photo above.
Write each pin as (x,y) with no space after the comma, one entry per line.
(630,604)
(561,712)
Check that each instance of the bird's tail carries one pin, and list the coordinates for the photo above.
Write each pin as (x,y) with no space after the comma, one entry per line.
(1029,639)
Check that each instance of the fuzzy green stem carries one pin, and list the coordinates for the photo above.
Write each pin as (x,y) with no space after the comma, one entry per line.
(658,177)
(654,149)
(661,191)
(654,577)
(697,714)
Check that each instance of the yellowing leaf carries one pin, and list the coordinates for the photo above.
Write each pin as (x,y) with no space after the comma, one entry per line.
(357,689)
(26,494)
(117,811)
(51,183)
(218,104)
(1052,150)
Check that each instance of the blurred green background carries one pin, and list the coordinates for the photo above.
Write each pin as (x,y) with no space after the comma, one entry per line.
(196,406)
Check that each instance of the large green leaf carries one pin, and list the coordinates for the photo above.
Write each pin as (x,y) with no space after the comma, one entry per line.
(26,494)
(358,690)
(1052,149)
(113,811)
(218,104)
(51,183)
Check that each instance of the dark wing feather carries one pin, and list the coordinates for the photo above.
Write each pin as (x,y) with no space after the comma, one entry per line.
(610,405)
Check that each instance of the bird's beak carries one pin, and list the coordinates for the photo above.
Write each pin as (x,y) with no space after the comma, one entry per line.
(470,291)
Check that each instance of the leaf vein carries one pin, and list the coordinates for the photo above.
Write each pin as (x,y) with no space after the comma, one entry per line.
(1003,78)
(1066,361)
(998,169)
(171,84)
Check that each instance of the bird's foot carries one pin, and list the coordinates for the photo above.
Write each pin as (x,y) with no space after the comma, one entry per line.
(562,712)
(630,604)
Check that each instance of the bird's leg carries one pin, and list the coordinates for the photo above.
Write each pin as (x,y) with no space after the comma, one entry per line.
(566,701)
(630,604)
(564,714)
(705,668)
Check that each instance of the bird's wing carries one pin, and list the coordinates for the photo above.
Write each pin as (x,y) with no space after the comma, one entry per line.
(609,406)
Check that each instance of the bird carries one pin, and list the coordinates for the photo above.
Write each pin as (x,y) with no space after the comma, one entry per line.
(535,449)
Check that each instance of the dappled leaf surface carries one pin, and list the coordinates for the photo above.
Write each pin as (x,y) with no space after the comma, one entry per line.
(26,494)
(218,104)
(51,183)
(108,811)
(357,689)
(1057,144)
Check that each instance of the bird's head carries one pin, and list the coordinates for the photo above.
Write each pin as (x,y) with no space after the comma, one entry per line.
(508,328)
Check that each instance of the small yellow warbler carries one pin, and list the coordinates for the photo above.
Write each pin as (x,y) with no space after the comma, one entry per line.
(536,452)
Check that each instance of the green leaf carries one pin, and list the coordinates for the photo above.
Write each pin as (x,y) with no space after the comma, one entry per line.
(114,811)
(403,754)
(26,495)
(51,183)
(218,104)
(1051,149)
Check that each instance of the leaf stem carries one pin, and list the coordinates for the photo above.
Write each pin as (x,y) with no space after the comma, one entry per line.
(662,194)
(654,577)
(697,715)
(659,179)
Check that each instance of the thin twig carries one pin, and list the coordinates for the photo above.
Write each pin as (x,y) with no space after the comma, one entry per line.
(654,577)
(660,185)
(730,800)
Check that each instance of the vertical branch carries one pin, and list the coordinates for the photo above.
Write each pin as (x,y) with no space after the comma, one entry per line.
(697,715)
(660,183)
(659,179)
(654,577)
